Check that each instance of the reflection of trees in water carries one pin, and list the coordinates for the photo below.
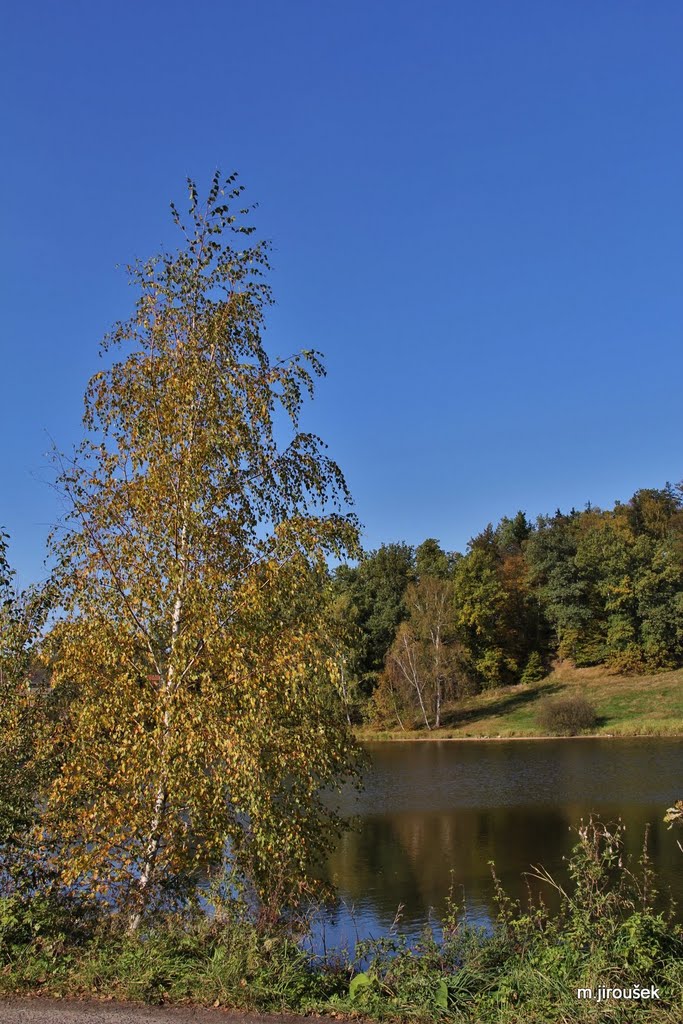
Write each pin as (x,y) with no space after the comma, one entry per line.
(412,858)
(373,862)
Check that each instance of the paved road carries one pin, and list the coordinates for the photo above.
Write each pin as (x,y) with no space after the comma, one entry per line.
(57,1011)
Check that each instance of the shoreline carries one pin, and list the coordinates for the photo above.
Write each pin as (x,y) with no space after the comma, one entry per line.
(364,738)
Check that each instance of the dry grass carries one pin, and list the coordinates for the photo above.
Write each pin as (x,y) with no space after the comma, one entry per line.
(647,705)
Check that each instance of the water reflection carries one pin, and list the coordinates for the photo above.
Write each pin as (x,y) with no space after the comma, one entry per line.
(433,815)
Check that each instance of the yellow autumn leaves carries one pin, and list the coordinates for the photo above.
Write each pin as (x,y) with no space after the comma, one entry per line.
(192,568)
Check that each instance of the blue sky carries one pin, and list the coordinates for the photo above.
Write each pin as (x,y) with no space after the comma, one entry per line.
(475,210)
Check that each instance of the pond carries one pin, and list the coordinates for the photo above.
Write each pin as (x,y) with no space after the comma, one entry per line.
(434,813)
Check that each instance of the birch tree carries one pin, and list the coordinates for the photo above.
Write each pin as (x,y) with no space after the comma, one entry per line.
(423,661)
(192,562)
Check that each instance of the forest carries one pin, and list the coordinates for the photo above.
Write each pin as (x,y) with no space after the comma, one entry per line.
(591,587)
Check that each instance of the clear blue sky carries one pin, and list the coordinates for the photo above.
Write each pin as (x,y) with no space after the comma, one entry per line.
(476,210)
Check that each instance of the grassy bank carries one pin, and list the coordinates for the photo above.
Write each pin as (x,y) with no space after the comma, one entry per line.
(606,934)
(647,705)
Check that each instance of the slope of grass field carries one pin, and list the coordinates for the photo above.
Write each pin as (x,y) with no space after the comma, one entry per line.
(647,705)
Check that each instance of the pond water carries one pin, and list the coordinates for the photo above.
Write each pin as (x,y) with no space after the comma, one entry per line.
(433,814)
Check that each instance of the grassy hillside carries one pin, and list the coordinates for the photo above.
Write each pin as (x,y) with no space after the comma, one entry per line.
(648,705)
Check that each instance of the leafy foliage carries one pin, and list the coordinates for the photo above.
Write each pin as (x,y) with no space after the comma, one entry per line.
(373,593)
(422,665)
(25,704)
(206,721)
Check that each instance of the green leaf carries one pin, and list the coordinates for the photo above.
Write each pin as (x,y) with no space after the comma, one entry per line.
(360,982)
(441,998)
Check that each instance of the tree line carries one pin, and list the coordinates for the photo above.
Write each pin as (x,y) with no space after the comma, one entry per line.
(598,586)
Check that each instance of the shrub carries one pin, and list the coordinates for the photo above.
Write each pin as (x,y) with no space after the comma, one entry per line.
(566,716)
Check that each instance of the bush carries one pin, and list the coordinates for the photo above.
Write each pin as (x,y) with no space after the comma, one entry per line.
(566,716)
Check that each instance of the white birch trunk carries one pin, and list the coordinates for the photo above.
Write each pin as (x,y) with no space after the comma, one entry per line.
(155,835)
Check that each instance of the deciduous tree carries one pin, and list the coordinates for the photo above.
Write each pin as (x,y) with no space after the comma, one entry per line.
(207,720)
(422,664)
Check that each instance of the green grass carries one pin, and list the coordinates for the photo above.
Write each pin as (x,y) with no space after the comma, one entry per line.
(646,705)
